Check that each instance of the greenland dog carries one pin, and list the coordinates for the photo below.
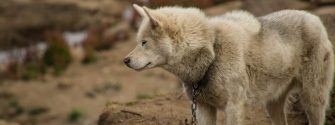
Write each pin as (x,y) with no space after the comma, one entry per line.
(243,60)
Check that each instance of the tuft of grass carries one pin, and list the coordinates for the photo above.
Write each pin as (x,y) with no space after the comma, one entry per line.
(16,106)
(91,43)
(108,104)
(90,94)
(143,96)
(32,71)
(116,87)
(75,115)
(90,57)
(131,103)
(108,86)
(37,111)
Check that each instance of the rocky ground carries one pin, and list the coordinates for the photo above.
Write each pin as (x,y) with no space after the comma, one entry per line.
(175,110)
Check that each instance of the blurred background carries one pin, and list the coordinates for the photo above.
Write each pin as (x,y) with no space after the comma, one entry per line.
(61,62)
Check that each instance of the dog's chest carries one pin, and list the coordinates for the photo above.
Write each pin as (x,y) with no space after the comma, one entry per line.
(213,94)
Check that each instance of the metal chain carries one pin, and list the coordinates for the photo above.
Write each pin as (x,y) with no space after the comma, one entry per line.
(194,104)
(195,93)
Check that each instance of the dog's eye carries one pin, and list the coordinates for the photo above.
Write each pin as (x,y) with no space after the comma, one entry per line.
(143,42)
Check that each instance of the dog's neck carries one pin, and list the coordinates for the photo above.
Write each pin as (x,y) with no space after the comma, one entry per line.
(197,54)
(192,67)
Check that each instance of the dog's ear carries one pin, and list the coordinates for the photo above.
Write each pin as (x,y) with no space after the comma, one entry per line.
(147,13)
(139,10)
(153,22)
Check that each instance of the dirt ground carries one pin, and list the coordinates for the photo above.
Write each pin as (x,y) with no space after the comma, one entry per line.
(175,110)
(83,88)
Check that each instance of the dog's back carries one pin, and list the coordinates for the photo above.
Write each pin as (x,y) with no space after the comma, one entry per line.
(286,38)
(284,51)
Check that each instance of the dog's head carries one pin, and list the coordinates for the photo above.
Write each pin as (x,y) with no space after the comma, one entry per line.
(154,45)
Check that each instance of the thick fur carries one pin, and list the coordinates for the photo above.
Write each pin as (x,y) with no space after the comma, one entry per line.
(245,59)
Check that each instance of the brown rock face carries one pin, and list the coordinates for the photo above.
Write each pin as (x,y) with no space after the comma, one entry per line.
(223,8)
(323,1)
(263,7)
(329,21)
(23,24)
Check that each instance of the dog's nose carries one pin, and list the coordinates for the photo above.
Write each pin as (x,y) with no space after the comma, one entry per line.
(126,60)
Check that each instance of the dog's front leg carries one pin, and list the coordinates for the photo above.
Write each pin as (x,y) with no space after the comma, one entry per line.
(234,113)
(206,114)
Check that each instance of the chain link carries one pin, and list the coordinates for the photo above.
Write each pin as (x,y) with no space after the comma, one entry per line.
(195,92)
(194,104)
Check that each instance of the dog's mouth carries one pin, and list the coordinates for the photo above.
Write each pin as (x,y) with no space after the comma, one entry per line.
(143,67)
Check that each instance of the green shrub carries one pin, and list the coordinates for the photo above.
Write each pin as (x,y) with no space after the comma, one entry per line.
(57,55)
(94,42)
(74,115)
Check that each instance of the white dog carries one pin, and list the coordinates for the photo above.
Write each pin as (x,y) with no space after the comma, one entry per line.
(239,59)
